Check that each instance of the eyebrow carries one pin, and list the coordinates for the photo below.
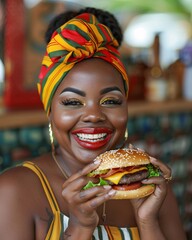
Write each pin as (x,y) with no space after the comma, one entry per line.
(110,89)
(74,90)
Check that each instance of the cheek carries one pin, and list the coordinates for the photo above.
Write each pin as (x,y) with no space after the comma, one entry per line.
(64,120)
(119,120)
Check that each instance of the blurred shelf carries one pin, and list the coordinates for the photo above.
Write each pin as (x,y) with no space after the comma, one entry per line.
(17,119)
(138,108)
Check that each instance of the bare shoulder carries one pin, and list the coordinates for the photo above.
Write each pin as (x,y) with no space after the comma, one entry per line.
(17,189)
(170,216)
(15,181)
(17,206)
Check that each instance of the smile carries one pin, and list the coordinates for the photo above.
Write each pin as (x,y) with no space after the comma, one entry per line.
(91,137)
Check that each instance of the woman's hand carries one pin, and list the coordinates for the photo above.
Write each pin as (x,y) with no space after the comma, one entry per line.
(147,209)
(82,204)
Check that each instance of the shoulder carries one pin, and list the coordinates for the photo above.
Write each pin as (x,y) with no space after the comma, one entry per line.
(19,188)
(16,207)
(15,184)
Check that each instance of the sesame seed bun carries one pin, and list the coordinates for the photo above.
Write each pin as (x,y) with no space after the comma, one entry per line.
(122,158)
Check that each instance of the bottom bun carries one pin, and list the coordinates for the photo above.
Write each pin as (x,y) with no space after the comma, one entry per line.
(141,192)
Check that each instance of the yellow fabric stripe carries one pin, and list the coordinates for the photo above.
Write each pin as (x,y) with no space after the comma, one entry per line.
(113,233)
(46,61)
(55,227)
(135,233)
(54,76)
(54,46)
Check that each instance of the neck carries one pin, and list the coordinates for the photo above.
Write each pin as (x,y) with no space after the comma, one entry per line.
(68,162)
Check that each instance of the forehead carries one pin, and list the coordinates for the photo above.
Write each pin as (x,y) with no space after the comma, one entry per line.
(92,73)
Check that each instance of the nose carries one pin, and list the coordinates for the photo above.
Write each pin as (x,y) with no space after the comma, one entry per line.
(93,113)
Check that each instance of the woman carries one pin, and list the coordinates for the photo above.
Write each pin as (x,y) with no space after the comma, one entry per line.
(83,86)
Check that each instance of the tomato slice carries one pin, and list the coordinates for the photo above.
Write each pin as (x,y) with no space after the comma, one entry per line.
(131,186)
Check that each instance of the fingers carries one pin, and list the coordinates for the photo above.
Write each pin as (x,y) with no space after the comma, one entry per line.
(164,169)
(136,148)
(95,196)
(77,194)
(86,201)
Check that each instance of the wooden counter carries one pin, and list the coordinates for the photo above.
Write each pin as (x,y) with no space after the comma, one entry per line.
(17,119)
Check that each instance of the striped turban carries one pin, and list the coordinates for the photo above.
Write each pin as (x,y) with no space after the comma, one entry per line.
(80,38)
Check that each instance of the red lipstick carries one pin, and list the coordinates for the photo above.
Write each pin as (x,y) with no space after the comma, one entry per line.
(92,138)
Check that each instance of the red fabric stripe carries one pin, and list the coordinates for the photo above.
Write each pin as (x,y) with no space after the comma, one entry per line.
(105,33)
(73,35)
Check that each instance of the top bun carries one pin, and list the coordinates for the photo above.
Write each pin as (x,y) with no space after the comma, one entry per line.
(122,158)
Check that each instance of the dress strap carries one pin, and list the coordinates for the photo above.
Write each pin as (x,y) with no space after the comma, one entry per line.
(55,229)
(45,184)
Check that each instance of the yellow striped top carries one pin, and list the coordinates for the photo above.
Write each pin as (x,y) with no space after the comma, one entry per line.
(60,221)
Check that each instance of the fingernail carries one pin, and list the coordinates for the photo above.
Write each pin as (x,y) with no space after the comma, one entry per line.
(112,192)
(107,187)
(97,161)
(144,181)
(153,159)
(141,150)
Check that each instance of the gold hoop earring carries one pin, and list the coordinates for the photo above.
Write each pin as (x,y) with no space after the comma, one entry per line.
(126,134)
(51,138)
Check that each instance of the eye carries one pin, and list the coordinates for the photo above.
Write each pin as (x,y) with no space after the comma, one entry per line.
(72,102)
(110,101)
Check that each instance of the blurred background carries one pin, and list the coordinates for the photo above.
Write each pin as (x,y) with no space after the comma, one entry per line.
(157,53)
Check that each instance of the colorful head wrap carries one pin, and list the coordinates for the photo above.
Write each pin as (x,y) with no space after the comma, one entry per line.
(80,38)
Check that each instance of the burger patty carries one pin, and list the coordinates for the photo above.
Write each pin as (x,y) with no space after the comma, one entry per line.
(130,178)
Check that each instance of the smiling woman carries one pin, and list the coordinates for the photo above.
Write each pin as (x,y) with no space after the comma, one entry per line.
(83,86)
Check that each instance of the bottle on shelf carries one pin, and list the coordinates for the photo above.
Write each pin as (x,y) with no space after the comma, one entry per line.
(156,84)
(174,75)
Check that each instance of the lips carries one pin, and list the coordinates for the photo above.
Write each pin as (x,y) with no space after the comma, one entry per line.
(92,138)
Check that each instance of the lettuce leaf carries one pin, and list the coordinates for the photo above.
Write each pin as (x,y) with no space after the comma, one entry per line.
(90,184)
(153,171)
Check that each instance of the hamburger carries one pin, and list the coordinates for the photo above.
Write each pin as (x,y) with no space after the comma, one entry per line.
(124,169)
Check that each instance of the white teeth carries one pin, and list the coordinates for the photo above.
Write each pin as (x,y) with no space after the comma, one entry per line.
(91,137)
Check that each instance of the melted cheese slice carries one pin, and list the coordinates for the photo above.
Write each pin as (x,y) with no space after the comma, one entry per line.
(115,178)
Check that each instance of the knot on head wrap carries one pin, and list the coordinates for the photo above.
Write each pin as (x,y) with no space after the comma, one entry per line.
(80,38)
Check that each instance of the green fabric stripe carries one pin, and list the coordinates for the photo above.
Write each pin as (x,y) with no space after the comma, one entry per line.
(54,66)
(130,233)
(93,238)
(122,234)
(75,44)
(91,19)
(58,53)
(100,233)
(103,36)
(54,90)
(79,30)
(62,226)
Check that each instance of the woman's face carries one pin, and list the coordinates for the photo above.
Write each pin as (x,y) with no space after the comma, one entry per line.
(89,110)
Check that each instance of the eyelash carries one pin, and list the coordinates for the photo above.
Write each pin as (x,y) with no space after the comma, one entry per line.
(110,101)
(72,102)
(77,103)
